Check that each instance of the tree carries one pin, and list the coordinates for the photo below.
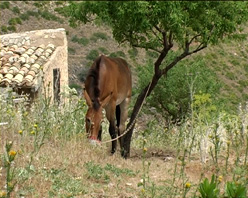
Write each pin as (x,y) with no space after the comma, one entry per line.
(184,27)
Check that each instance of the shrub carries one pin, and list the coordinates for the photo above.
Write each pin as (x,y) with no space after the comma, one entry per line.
(118,54)
(49,16)
(171,97)
(18,20)
(11,28)
(84,41)
(16,10)
(24,16)
(4,28)
(98,35)
(33,13)
(103,50)
(93,54)
(133,53)
(71,50)
(5,5)
(152,54)
(12,21)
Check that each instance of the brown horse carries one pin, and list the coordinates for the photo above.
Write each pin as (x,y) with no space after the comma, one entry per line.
(108,86)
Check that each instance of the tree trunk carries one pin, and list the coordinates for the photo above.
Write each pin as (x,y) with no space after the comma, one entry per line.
(145,92)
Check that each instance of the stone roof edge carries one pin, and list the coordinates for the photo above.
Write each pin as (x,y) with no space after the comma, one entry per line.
(13,35)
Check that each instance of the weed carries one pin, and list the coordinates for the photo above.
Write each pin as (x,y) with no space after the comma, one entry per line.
(9,157)
(235,190)
(95,171)
(209,189)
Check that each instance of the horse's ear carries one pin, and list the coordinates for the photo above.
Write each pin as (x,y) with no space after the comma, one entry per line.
(106,100)
(87,98)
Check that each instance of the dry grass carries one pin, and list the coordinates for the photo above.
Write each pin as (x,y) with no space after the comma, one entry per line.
(66,165)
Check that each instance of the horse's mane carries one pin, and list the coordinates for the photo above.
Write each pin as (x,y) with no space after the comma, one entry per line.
(94,75)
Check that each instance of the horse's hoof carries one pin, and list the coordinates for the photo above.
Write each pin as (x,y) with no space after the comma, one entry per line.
(95,142)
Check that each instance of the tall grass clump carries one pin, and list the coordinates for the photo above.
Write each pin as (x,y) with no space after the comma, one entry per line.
(26,129)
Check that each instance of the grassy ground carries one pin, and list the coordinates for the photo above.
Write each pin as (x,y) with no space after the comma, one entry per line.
(54,159)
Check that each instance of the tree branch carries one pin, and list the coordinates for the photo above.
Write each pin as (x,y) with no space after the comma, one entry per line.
(143,46)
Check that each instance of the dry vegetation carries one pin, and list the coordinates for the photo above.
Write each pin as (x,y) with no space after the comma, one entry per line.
(54,158)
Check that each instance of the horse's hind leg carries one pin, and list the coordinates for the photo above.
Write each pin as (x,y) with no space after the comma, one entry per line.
(110,114)
(123,118)
(118,117)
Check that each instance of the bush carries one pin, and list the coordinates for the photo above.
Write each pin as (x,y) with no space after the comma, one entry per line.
(71,50)
(98,35)
(103,50)
(93,54)
(11,28)
(118,54)
(152,54)
(33,13)
(4,29)
(24,16)
(171,97)
(12,21)
(133,53)
(84,41)
(49,16)
(18,20)
(16,10)
(5,5)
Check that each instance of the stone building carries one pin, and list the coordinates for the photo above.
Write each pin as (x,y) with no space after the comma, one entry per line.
(34,62)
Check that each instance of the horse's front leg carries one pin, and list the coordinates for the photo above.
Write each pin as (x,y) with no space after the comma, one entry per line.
(100,133)
(110,114)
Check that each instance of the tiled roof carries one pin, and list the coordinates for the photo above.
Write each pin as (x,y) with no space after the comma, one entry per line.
(20,66)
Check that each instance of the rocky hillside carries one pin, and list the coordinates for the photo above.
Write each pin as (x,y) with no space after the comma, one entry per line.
(228,60)
(84,42)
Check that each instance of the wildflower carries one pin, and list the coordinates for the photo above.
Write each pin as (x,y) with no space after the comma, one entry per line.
(20,132)
(143,190)
(145,140)
(220,178)
(35,126)
(3,193)
(145,149)
(187,185)
(25,113)
(210,136)
(32,132)
(228,142)
(12,153)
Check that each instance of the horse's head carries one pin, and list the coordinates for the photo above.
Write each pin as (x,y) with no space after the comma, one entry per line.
(93,116)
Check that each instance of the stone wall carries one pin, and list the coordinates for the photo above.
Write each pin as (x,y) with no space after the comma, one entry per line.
(59,58)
